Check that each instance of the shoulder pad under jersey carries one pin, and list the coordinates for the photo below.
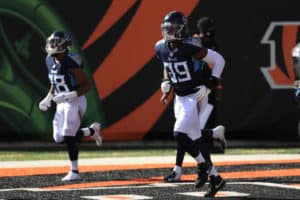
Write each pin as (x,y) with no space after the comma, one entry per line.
(76,58)
(159,43)
(296,51)
(196,41)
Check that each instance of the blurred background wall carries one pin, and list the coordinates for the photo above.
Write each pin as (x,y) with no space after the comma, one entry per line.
(117,38)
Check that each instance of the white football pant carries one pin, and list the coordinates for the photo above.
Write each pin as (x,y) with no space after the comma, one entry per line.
(187,114)
(67,118)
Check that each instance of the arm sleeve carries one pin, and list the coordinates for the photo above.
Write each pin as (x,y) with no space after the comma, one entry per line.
(217,60)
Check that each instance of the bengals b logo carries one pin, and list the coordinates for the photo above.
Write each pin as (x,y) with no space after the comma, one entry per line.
(282,37)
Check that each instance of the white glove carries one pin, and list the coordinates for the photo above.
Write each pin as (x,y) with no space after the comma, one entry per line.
(202,92)
(65,97)
(165,86)
(46,102)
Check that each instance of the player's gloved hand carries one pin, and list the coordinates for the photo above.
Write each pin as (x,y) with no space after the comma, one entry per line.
(212,82)
(165,86)
(202,92)
(46,102)
(219,89)
(65,97)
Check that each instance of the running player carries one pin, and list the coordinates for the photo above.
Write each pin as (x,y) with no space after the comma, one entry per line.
(206,32)
(178,52)
(69,84)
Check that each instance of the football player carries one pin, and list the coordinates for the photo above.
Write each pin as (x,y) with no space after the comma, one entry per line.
(178,53)
(69,84)
(206,32)
(296,67)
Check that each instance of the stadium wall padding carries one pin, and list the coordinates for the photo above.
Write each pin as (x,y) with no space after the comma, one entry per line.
(116,40)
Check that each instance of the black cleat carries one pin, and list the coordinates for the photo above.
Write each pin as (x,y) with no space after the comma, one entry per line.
(218,146)
(173,177)
(216,184)
(203,169)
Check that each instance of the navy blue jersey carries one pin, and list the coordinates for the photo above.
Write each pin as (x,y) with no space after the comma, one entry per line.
(183,70)
(59,73)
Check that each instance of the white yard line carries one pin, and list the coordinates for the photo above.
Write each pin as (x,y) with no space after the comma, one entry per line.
(145,160)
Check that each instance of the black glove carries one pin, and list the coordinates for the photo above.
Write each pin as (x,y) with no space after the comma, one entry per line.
(212,82)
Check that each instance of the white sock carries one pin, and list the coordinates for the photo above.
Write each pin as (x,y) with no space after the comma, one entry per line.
(177,169)
(74,165)
(86,131)
(199,158)
(213,171)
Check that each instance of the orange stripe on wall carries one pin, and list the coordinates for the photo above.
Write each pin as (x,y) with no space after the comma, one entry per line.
(288,42)
(137,123)
(136,46)
(116,10)
(289,37)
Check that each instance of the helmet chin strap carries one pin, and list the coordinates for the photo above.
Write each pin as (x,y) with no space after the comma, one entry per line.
(58,56)
(175,43)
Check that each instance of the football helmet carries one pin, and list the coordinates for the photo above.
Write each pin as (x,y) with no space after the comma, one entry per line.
(206,26)
(174,26)
(58,42)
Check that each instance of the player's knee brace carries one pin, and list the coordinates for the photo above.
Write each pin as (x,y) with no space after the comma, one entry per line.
(70,142)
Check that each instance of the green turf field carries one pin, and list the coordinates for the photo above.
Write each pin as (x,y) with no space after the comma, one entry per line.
(62,155)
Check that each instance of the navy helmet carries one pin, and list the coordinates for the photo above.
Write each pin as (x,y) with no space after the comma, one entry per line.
(58,42)
(206,26)
(174,26)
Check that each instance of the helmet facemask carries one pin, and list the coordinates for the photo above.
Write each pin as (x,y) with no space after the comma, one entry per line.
(174,26)
(172,32)
(56,44)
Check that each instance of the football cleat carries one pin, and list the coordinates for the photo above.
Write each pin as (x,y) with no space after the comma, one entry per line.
(71,176)
(217,146)
(203,170)
(216,183)
(97,137)
(173,177)
(219,134)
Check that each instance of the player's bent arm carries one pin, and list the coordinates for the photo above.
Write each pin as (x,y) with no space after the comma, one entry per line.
(82,80)
(216,60)
(83,87)
(165,87)
(212,57)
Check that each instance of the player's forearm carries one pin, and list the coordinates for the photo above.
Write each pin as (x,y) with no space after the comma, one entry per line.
(83,89)
(217,60)
(51,89)
(165,75)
